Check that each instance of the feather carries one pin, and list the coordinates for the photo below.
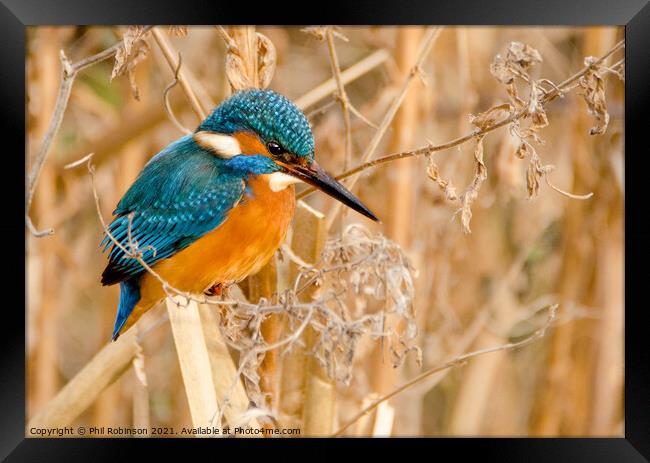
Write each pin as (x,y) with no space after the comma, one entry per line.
(181,194)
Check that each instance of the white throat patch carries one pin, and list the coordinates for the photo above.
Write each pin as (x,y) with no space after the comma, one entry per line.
(224,146)
(278,181)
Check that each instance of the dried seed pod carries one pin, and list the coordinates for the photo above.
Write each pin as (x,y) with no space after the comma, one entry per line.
(266,60)
(236,71)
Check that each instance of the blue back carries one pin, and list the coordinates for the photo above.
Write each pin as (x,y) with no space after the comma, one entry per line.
(182,193)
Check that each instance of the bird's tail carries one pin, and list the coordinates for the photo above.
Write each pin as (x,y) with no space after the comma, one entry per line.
(129,297)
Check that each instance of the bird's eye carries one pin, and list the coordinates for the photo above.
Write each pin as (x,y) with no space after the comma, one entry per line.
(274,148)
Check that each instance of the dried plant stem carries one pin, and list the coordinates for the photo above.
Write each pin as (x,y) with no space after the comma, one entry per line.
(426,45)
(555,415)
(548,96)
(230,43)
(262,286)
(194,361)
(305,249)
(69,71)
(401,201)
(182,75)
(82,390)
(341,96)
(319,393)
(402,194)
(459,360)
(168,107)
(44,355)
(140,390)
(348,75)
(234,402)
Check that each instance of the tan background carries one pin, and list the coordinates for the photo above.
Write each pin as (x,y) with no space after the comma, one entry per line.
(473,290)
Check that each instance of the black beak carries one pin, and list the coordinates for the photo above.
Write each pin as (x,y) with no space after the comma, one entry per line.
(316,176)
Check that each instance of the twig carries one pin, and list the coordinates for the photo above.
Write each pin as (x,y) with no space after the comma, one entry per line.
(68,74)
(428,149)
(168,109)
(341,96)
(566,193)
(169,53)
(355,71)
(230,42)
(540,333)
(78,162)
(363,118)
(293,257)
(425,47)
(69,71)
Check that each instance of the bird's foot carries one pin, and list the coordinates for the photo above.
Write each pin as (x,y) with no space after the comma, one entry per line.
(220,289)
(215,290)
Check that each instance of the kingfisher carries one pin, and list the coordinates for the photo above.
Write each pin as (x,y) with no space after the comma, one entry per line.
(213,206)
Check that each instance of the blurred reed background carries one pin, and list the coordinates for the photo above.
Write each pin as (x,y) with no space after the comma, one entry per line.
(472,291)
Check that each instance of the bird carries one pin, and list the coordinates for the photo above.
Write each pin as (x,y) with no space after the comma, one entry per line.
(213,206)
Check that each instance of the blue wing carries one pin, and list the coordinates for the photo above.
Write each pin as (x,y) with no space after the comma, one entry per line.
(182,193)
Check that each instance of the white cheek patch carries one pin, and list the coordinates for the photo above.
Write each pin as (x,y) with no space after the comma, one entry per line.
(278,181)
(222,145)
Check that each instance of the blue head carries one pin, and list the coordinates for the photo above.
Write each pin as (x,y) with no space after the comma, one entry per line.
(262,122)
(269,115)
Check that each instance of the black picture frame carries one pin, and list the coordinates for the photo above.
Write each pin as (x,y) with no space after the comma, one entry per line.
(15,15)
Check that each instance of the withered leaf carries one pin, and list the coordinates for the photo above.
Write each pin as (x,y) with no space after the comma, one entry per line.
(533,176)
(492,116)
(523,55)
(472,192)
(593,92)
(518,60)
(445,185)
(134,49)
(523,150)
(500,70)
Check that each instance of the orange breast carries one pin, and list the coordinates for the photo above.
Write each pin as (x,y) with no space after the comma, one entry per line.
(241,245)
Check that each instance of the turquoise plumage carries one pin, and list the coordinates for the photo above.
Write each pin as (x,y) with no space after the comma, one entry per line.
(188,190)
(182,193)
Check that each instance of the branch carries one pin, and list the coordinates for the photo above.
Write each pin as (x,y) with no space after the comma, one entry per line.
(548,95)
(168,108)
(169,52)
(540,333)
(230,42)
(68,74)
(341,96)
(352,73)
